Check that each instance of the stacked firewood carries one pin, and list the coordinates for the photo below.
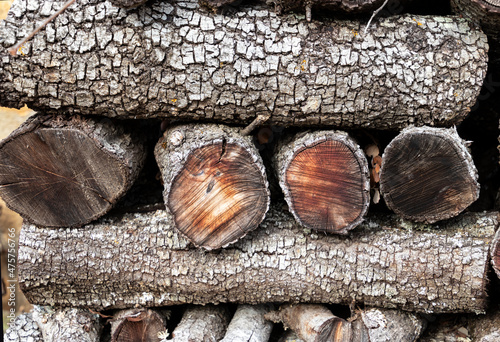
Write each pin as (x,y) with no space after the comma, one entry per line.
(271,136)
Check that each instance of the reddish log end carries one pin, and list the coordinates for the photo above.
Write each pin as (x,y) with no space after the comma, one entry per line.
(328,185)
(139,326)
(218,196)
(428,175)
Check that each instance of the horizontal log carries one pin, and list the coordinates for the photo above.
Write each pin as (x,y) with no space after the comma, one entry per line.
(174,59)
(141,259)
(428,174)
(60,171)
(324,176)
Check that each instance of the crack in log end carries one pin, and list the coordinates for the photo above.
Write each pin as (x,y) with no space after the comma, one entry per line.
(327,182)
(218,196)
(495,253)
(428,175)
(61,177)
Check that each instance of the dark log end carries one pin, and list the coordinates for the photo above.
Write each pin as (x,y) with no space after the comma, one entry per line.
(59,177)
(428,175)
(327,185)
(492,6)
(335,330)
(218,196)
(143,326)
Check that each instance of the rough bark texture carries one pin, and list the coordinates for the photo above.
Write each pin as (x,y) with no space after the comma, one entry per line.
(127,3)
(383,325)
(138,325)
(202,323)
(67,325)
(215,183)
(486,328)
(495,253)
(24,329)
(428,174)
(312,323)
(248,324)
(177,60)
(141,259)
(324,176)
(59,171)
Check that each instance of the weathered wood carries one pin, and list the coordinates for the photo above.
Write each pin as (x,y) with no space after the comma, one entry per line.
(428,174)
(312,323)
(67,171)
(138,325)
(67,325)
(127,3)
(290,336)
(24,328)
(324,176)
(173,59)
(141,259)
(215,183)
(249,325)
(495,253)
(202,323)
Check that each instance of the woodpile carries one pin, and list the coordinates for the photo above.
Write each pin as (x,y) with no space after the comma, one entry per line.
(313,177)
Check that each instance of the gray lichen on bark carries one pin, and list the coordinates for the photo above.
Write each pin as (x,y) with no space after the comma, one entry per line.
(140,259)
(176,59)
(24,328)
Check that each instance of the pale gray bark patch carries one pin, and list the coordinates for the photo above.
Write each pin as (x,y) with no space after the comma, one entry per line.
(248,324)
(23,329)
(140,259)
(174,59)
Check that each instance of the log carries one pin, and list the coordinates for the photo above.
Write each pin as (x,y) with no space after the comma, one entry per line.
(22,329)
(290,336)
(428,174)
(202,323)
(67,325)
(495,253)
(215,183)
(312,323)
(58,171)
(138,325)
(324,176)
(248,324)
(316,323)
(141,259)
(197,65)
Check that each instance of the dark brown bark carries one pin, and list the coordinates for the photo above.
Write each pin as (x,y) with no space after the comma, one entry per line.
(312,323)
(495,253)
(202,323)
(57,171)
(215,183)
(249,325)
(324,176)
(173,59)
(141,259)
(138,325)
(428,174)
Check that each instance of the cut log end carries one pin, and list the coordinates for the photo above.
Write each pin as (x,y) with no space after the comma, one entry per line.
(59,177)
(495,253)
(428,175)
(141,325)
(327,184)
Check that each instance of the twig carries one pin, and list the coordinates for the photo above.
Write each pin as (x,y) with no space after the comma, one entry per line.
(13,50)
(256,122)
(374,14)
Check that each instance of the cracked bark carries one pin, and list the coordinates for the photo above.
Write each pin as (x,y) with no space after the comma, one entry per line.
(215,182)
(202,323)
(141,259)
(428,174)
(324,176)
(174,59)
(249,325)
(67,171)
(23,328)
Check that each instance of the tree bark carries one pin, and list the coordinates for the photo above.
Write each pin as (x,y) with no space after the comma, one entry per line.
(174,59)
(22,329)
(67,325)
(495,253)
(202,323)
(61,171)
(248,324)
(428,174)
(324,176)
(138,325)
(215,183)
(312,323)
(141,259)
